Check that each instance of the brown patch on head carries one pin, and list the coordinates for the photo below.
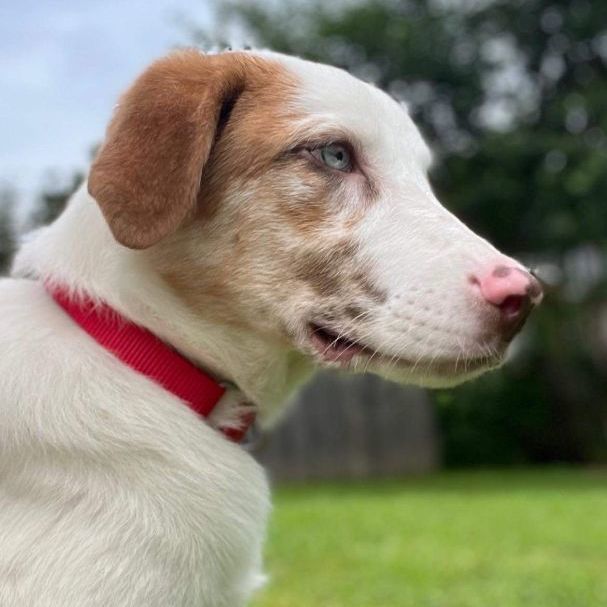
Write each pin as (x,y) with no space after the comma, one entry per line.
(369,289)
(147,175)
(204,160)
(260,144)
(266,140)
(334,274)
(326,271)
(310,210)
(354,311)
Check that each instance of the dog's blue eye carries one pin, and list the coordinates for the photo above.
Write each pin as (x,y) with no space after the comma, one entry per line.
(336,156)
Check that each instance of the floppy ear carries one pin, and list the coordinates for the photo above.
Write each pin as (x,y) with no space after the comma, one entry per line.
(146,176)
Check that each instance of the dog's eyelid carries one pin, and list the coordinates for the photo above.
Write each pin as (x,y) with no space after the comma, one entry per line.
(304,139)
(332,141)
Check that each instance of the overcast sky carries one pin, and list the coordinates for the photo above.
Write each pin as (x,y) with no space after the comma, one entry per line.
(63,64)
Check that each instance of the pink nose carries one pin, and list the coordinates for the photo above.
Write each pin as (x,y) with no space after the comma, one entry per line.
(510,289)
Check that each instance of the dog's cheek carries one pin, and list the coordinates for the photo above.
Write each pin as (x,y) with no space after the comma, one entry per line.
(276,248)
(309,257)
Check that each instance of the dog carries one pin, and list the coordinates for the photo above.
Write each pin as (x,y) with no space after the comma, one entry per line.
(249,217)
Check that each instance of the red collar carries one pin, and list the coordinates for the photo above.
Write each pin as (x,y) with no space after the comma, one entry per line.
(141,350)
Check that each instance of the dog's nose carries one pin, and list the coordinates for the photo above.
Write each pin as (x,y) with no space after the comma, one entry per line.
(511,290)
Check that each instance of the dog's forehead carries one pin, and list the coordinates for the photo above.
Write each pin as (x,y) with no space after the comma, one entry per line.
(331,97)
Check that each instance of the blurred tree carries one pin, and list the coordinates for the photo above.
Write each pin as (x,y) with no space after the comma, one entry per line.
(512,95)
(48,205)
(7,227)
(53,198)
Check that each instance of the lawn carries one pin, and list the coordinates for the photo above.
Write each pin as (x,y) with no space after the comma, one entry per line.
(490,539)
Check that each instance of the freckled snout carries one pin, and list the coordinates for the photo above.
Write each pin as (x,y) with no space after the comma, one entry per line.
(510,290)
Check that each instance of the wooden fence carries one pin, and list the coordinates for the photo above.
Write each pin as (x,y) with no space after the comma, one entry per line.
(344,426)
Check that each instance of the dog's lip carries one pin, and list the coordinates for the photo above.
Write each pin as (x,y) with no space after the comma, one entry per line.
(336,346)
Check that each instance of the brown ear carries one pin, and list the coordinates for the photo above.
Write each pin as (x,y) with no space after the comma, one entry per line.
(146,176)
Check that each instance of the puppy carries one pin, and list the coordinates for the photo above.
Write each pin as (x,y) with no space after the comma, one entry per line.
(249,217)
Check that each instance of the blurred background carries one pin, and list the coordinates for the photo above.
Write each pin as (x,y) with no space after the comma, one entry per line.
(512,96)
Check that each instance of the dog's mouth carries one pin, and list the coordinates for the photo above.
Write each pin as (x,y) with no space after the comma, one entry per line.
(336,347)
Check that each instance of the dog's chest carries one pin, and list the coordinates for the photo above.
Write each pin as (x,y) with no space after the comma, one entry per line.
(111,478)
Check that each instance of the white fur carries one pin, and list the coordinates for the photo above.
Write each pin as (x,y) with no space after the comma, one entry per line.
(112,492)
(419,253)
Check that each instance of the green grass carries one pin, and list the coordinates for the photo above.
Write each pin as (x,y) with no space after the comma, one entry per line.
(490,539)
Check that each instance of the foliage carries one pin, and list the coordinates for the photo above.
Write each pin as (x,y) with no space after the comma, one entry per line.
(52,200)
(7,227)
(49,204)
(455,540)
(511,95)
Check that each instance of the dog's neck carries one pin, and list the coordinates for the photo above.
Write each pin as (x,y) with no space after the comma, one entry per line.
(78,251)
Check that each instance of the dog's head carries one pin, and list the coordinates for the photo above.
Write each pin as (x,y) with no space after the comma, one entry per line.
(291,199)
